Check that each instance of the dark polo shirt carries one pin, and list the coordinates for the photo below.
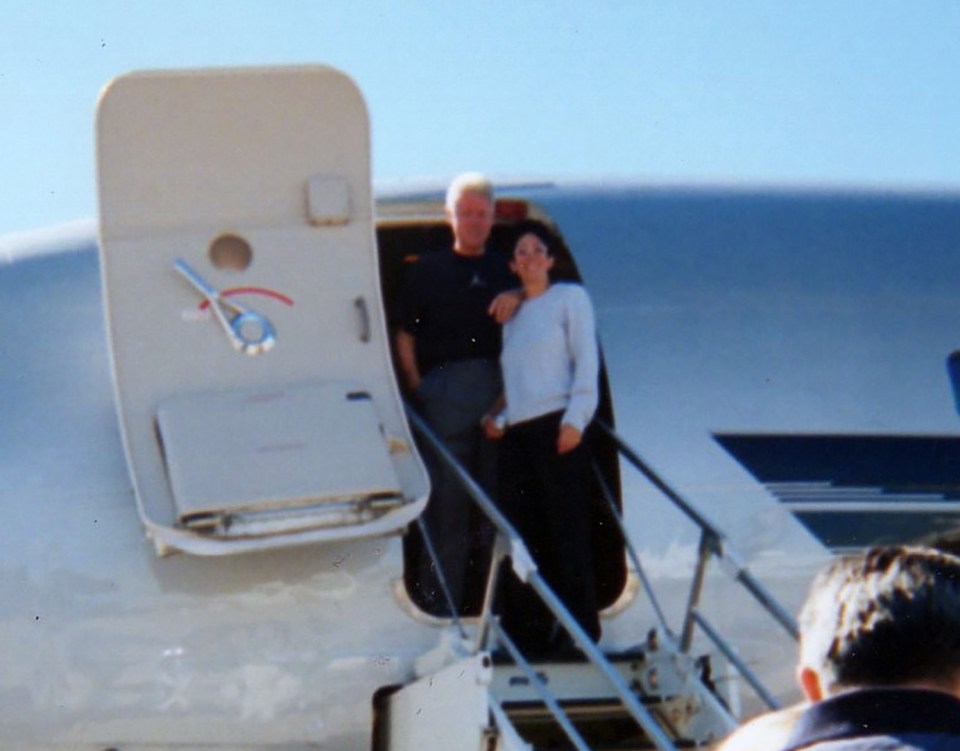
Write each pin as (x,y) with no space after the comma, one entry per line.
(444,306)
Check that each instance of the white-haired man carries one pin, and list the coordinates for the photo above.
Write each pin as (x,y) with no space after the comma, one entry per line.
(448,345)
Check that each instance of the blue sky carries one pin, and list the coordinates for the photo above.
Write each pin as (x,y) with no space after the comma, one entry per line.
(859,92)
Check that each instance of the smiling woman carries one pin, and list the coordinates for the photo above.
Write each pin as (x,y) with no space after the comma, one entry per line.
(550,368)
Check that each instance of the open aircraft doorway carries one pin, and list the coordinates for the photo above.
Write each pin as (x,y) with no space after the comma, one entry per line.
(405,232)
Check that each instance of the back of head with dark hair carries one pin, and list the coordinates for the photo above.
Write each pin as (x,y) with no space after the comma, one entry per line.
(888,617)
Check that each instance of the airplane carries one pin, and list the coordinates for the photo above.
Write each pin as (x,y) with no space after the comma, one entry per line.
(210,472)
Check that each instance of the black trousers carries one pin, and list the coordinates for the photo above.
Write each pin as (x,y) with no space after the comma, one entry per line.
(546,497)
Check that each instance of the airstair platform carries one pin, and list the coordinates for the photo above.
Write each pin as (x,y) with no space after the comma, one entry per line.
(482,702)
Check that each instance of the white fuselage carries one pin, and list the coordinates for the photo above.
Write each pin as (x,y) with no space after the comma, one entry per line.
(719,313)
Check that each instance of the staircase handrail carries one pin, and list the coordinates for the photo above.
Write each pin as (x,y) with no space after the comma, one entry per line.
(714,541)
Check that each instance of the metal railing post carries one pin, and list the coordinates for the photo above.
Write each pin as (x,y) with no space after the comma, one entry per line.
(696,588)
(441,577)
(500,549)
(632,551)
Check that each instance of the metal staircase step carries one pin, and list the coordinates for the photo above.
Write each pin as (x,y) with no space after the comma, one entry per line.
(604,724)
(666,682)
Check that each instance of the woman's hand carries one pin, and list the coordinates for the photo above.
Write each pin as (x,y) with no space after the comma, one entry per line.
(568,439)
(493,428)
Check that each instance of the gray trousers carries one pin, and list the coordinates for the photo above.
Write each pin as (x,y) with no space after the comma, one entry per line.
(453,399)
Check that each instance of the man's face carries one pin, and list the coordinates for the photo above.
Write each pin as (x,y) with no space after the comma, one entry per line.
(471,220)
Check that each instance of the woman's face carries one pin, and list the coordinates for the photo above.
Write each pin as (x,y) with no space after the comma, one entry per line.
(531,261)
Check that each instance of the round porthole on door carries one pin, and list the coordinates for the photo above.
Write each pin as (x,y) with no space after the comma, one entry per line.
(230,252)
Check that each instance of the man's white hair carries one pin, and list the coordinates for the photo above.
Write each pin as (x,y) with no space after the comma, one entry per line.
(468,182)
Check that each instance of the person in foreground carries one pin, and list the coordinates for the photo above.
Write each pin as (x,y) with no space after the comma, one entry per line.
(880,654)
(550,367)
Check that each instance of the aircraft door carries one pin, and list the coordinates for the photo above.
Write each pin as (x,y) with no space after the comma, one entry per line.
(251,364)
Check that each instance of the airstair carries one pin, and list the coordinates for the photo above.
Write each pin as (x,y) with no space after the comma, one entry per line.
(478,691)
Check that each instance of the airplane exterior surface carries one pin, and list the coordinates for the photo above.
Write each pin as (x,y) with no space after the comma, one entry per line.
(807,335)
(767,352)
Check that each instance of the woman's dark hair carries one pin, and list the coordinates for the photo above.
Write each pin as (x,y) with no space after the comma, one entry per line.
(532,227)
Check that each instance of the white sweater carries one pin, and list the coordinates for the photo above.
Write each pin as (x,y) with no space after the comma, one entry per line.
(550,360)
